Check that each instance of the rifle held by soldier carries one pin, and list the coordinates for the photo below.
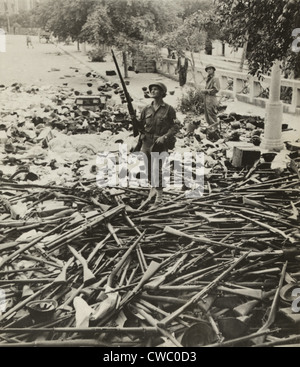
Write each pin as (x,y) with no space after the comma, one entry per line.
(128,99)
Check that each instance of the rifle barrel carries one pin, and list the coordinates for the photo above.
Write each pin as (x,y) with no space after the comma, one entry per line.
(127,96)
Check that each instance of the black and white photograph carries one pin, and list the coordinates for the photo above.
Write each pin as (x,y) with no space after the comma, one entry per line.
(149,176)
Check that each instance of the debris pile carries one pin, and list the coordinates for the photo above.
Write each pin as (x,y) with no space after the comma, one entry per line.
(85,265)
(214,270)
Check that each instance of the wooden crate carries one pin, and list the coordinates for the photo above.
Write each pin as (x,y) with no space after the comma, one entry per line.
(244,156)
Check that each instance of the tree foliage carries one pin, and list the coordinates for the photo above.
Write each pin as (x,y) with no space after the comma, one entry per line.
(23,19)
(268,24)
(65,18)
(192,34)
(187,8)
(196,24)
(136,20)
(189,35)
(98,28)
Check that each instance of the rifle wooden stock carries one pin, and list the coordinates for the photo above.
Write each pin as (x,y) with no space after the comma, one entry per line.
(245,308)
(176,232)
(88,276)
(248,292)
(152,269)
(159,280)
(202,293)
(288,253)
(128,98)
(172,300)
(62,277)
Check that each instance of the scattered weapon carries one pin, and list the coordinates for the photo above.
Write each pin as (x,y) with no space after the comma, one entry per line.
(90,330)
(154,323)
(203,292)
(122,260)
(274,306)
(128,98)
(202,239)
(62,276)
(70,235)
(264,225)
(24,302)
(182,246)
(287,253)
(88,276)
(242,339)
(58,343)
(257,294)
(31,244)
(159,280)
(152,269)
(282,341)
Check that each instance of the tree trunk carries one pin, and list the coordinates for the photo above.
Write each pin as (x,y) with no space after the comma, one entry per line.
(193,67)
(124,54)
(78,46)
(223,48)
(243,58)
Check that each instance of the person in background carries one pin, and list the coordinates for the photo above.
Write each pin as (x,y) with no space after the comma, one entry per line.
(182,67)
(212,87)
(157,132)
(28,41)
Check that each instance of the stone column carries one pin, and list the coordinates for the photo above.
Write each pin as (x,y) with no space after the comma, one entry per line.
(272,138)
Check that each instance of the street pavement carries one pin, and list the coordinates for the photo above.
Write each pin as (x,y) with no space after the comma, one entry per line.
(60,65)
(42,65)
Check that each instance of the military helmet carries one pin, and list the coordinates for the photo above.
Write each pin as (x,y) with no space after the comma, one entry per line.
(210,66)
(160,85)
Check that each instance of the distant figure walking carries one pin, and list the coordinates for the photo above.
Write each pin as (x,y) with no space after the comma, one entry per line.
(181,69)
(28,41)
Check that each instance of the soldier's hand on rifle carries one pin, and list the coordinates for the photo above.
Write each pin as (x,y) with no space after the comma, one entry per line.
(161,139)
(133,116)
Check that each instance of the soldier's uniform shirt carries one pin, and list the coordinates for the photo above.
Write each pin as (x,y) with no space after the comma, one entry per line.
(156,123)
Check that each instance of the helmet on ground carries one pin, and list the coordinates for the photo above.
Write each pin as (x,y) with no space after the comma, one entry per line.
(210,66)
(161,86)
